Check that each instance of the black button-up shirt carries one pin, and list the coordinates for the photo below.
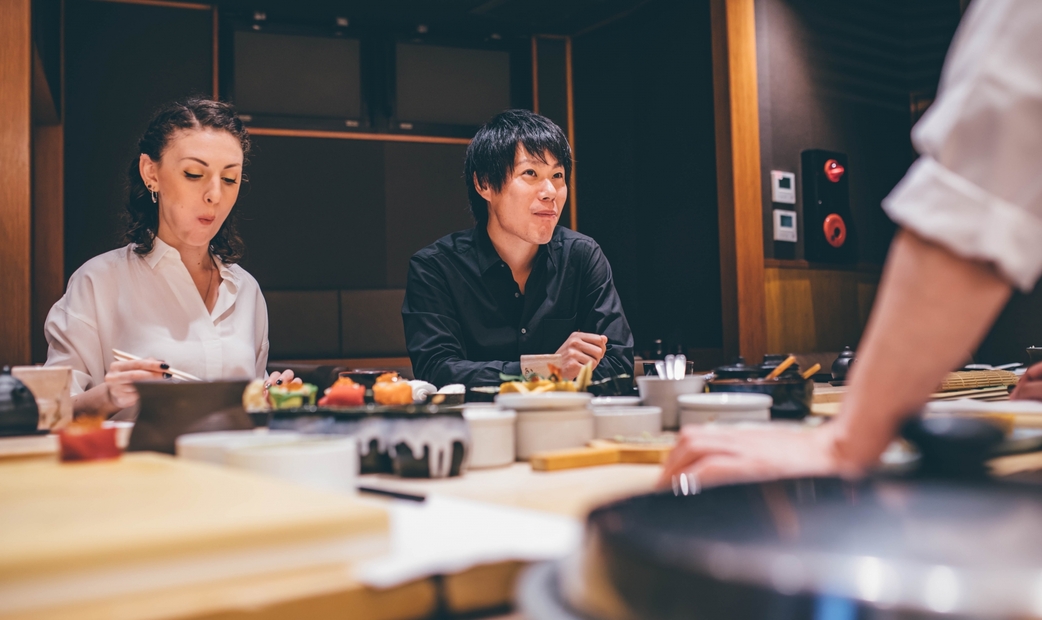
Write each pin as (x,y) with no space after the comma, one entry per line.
(466,320)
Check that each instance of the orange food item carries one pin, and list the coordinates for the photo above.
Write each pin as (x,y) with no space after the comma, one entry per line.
(344,393)
(388,377)
(392,393)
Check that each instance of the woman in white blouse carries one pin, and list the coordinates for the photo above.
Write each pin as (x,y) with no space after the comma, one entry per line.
(175,295)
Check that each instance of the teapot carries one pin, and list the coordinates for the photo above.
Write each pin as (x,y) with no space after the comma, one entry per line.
(18,412)
(841,366)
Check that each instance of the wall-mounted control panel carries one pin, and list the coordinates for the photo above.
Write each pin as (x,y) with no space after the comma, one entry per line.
(785,225)
(783,187)
(828,227)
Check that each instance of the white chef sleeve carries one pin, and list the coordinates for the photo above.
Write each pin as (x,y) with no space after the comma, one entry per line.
(977,187)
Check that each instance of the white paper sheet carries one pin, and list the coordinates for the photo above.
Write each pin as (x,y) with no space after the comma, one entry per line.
(446,535)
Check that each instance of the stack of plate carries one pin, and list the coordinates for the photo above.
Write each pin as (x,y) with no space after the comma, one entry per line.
(550,420)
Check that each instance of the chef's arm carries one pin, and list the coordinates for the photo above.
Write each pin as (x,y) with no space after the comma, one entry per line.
(933,307)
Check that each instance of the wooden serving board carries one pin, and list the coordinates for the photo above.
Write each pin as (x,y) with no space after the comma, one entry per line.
(601,452)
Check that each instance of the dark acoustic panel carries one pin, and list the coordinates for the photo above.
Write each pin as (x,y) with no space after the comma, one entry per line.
(646,168)
(449,85)
(122,61)
(303,324)
(426,200)
(312,213)
(371,323)
(293,75)
(552,75)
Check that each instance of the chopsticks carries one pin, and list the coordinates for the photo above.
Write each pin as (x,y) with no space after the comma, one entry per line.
(810,371)
(789,361)
(123,356)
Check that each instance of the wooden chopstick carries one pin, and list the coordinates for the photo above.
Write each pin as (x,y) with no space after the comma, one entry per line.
(810,371)
(123,356)
(789,361)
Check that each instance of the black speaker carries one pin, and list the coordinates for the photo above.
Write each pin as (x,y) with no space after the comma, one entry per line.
(828,228)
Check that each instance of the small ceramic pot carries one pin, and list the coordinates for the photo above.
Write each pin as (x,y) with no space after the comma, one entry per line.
(663,393)
(552,429)
(493,441)
(611,422)
(724,408)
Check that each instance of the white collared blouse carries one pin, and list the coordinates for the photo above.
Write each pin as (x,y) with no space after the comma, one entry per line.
(977,188)
(150,307)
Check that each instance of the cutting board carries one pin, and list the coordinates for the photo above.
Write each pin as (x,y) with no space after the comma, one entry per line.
(145,520)
(600,452)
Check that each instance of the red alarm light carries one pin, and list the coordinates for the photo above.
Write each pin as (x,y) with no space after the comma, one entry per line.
(834,170)
(835,230)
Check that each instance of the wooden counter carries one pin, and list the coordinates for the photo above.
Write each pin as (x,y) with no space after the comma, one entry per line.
(329,591)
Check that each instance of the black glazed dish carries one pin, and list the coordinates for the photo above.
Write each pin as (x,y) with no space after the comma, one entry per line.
(937,542)
(380,430)
(792,396)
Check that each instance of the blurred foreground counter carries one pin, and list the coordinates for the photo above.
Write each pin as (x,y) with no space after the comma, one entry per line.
(150,536)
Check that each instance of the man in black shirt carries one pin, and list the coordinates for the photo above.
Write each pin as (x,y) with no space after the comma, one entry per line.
(516,283)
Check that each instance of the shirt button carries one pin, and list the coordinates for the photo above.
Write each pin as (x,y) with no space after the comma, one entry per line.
(517,294)
(523,331)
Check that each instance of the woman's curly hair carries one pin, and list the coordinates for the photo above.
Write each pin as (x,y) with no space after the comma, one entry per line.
(142,213)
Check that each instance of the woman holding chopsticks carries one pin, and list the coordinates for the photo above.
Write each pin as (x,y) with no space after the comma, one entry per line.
(173,303)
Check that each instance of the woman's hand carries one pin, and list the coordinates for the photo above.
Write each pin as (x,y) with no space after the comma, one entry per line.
(1030,385)
(121,376)
(278,378)
(715,455)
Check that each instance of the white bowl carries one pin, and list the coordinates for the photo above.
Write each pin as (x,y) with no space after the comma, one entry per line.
(214,447)
(328,463)
(612,422)
(544,400)
(492,436)
(615,401)
(724,407)
(659,392)
(554,429)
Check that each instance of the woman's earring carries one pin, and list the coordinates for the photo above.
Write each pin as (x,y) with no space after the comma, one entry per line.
(154,199)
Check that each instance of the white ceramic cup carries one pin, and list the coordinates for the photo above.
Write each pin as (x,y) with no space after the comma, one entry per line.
(329,463)
(610,422)
(539,364)
(492,436)
(52,388)
(552,429)
(724,407)
(659,392)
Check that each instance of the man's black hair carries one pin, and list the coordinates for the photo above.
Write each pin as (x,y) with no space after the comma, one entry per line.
(491,153)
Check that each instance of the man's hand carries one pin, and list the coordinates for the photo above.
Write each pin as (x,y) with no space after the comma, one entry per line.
(712,455)
(1030,385)
(579,350)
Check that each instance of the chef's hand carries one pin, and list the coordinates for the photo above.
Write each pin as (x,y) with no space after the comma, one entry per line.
(1030,385)
(278,378)
(715,455)
(121,376)
(579,350)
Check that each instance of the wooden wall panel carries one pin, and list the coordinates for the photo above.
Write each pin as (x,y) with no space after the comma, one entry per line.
(15,181)
(48,229)
(738,178)
(816,310)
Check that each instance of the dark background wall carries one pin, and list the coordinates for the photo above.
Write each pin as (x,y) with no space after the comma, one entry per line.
(122,62)
(646,162)
(843,76)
